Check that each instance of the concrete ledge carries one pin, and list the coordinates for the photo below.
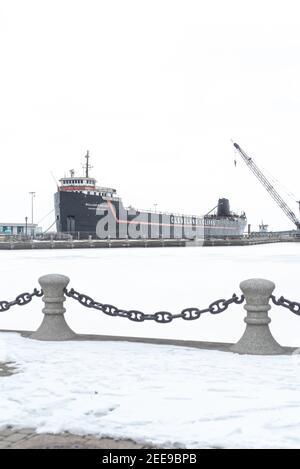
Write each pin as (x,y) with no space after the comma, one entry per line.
(219,346)
(26,438)
(145,243)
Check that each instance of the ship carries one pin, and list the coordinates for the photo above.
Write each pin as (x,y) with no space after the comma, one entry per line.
(85,210)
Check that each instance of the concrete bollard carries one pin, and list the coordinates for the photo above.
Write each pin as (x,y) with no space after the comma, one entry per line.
(257,338)
(54,326)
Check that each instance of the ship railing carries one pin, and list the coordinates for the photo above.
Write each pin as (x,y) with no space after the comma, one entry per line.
(114,198)
(157,212)
(106,189)
(176,214)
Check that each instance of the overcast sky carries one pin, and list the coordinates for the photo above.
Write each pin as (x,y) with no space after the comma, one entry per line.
(155,90)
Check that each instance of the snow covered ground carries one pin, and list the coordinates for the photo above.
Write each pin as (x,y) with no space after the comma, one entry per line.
(154,279)
(159,394)
(163,395)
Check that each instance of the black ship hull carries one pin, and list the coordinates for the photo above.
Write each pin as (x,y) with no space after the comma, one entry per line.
(87,215)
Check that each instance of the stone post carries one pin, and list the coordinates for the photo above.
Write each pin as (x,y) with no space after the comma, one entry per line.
(54,326)
(257,338)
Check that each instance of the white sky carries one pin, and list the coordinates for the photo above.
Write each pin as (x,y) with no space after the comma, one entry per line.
(155,90)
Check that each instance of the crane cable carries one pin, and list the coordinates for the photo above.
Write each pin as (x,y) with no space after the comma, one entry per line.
(42,219)
(284,189)
(50,227)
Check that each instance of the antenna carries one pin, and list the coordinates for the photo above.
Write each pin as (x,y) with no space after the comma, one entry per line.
(87,165)
(32,197)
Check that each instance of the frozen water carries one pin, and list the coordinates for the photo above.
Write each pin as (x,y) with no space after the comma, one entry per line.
(155,279)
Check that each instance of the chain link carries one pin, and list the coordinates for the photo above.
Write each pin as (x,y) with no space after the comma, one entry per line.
(21,300)
(291,305)
(163,317)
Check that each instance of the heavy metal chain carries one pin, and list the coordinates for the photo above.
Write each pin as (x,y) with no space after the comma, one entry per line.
(21,300)
(188,314)
(291,305)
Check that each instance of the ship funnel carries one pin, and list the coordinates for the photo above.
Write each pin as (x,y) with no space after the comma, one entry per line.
(223,208)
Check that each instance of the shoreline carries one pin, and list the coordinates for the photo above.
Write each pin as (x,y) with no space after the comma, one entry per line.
(143,243)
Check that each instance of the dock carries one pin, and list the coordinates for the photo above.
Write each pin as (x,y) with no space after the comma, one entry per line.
(141,243)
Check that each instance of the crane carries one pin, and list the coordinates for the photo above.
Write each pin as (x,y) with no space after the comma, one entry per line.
(268,186)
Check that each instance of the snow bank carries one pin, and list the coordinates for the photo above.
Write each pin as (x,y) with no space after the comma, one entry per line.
(152,393)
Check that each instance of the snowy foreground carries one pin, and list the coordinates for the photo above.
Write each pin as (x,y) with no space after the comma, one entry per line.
(167,396)
(157,394)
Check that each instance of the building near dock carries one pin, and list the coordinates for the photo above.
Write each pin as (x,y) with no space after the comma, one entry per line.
(19,229)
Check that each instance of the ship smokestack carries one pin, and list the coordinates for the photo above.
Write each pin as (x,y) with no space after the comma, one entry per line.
(223,208)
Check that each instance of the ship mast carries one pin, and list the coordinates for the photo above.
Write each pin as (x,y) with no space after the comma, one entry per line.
(87,166)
